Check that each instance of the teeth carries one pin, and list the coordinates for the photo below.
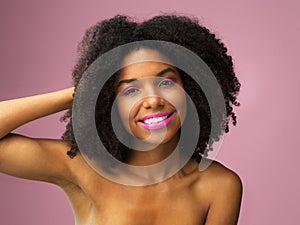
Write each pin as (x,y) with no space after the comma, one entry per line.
(155,120)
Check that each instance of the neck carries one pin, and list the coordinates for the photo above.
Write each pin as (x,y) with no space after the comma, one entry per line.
(152,156)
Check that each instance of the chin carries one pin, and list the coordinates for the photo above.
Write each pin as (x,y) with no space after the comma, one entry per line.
(158,137)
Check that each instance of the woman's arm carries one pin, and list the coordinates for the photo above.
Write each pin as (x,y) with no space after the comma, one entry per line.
(32,158)
(16,112)
(225,191)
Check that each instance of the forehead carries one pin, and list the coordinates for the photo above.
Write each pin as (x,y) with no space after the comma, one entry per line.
(144,54)
(142,63)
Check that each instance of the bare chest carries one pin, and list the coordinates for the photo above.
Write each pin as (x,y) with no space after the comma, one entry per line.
(146,206)
(177,201)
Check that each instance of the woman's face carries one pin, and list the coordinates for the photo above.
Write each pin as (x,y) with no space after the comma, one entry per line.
(150,97)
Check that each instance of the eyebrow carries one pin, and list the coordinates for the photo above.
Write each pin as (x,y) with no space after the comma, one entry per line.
(159,74)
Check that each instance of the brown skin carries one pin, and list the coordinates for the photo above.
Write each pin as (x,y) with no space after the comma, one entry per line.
(151,96)
(210,197)
(188,197)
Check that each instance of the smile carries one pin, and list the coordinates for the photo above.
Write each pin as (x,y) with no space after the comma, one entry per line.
(156,121)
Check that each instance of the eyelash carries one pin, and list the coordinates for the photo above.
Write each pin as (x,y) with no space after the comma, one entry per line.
(127,91)
(170,80)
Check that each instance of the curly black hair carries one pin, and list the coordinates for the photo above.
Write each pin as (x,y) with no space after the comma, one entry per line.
(181,30)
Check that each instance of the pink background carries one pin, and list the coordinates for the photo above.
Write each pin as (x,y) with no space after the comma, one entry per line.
(38,49)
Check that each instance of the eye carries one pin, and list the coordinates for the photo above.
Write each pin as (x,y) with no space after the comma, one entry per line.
(167,82)
(130,91)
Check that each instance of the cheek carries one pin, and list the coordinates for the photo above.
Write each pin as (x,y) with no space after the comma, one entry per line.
(126,112)
(178,100)
(181,106)
(123,112)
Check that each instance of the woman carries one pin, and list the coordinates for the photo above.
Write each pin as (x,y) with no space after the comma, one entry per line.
(211,196)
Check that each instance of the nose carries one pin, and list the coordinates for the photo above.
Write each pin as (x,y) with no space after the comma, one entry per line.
(152,102)
(152,98)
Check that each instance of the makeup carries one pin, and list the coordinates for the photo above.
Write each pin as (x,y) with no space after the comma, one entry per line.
(156,121)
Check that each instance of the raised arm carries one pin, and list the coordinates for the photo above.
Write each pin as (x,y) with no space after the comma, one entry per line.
(16,112)
(32,158)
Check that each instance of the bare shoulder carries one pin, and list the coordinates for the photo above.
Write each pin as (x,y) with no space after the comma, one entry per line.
(218,178)
(212,172)
(220,174)
(221,189)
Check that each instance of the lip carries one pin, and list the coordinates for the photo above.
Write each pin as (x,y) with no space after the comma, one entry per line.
(159,124)
(156,115)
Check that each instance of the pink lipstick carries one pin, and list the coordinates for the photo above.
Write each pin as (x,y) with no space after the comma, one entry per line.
(156,121)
